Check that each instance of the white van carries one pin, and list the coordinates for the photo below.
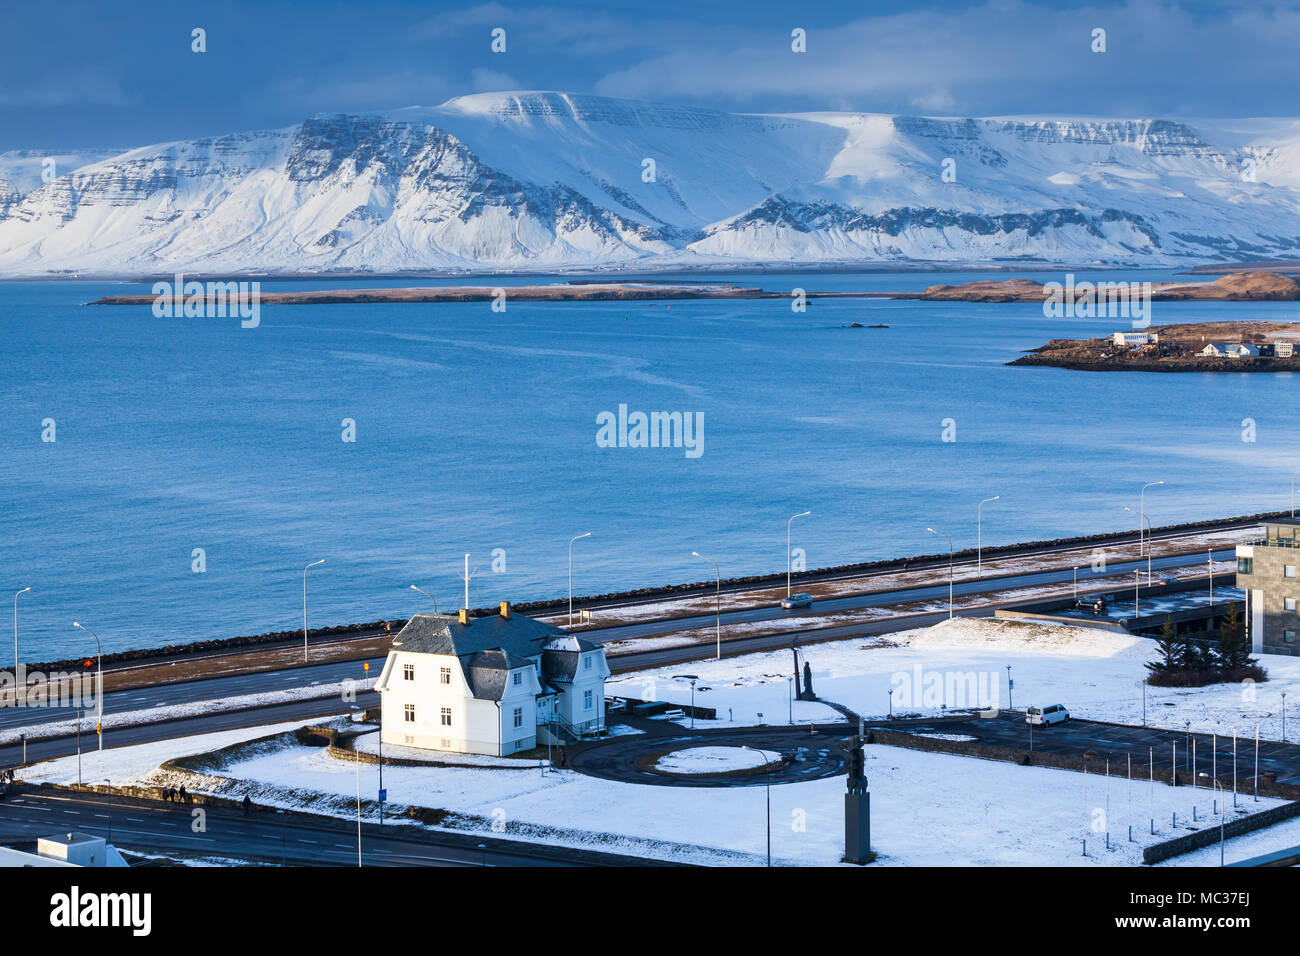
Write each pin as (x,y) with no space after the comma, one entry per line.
(1042,716)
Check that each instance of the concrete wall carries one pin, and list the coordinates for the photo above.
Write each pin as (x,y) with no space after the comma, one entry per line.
(1269,588)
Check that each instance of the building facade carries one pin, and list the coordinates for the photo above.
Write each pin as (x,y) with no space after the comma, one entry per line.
(1267,572)
(494,685)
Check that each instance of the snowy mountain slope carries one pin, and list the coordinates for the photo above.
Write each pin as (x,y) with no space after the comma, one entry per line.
(541,181)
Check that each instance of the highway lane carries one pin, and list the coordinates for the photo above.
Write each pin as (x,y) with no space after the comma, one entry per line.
(156,828)
(221,688)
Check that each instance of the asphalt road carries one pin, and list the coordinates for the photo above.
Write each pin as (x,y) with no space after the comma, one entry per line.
(155,828)
(221,688)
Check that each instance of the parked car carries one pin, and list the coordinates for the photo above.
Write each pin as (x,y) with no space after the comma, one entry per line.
(1044,716)
(797,600)
(4,790)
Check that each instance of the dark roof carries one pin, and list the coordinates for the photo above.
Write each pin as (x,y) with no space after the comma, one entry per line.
(517,635)
(486,672)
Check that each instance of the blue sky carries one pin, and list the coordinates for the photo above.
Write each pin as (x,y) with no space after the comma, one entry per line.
(85,74)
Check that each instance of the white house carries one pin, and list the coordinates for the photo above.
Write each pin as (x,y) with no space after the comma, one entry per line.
(1125,339)
(1229,350)
(490,685)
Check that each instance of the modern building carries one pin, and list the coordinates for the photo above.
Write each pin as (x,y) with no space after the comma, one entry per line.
(495,685)
(1229,350)
(1267,572)
(65,849)
(1127,339)
(1284,349)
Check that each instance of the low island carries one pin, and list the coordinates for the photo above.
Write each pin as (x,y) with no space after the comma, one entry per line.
(1193,347)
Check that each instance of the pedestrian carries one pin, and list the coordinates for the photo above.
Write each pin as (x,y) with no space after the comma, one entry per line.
(185,797)
(166,794)
(248,804)
(564,758)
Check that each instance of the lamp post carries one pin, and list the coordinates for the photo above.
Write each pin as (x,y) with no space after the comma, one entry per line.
(787,548)
(1222,796)
(692,678)
(949,540)
(1283,716)
(768,783)
(717,620)
(428,595)
(18,681)
(1143,521)
(1143,505)
(99,684)
(304,606)
(356,749)
(571,540)
(979,535)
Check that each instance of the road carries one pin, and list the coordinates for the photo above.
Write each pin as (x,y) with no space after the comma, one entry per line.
(222,688)
(154,828)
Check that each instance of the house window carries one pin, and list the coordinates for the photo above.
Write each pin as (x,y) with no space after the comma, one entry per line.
(519,716)
(1245,565)
(586,700)
(445,675)
(409,739)
(586,663)
(1289,603)
(409,713)
(408,671)
(446,716)
(1288,637)
(1288,571)
(519,678)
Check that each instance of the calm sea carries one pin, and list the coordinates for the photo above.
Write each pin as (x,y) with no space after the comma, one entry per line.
(476,432)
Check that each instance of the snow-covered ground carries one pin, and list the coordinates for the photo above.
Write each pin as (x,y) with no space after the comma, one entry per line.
(1096,674)
(927,809)
(714,760)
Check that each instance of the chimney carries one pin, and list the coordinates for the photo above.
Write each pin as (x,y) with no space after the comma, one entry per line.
(505,608)
(464,615)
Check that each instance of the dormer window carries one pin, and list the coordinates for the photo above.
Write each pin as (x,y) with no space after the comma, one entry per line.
(586,663)
(519,678)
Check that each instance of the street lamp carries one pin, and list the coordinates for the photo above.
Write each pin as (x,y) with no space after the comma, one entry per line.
(571,540)
(357,749)
(1143,505)
(18,681)
(787,548)
(717,621)
(692,678)
(949,540)
(99,684)
(768,781)
(428,595)
(979,535)
(304,606)
(1223,810)
(1143,520)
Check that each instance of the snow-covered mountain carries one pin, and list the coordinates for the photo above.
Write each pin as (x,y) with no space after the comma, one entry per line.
(548,181)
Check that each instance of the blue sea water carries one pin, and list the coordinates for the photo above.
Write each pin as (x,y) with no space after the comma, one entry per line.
(476,431)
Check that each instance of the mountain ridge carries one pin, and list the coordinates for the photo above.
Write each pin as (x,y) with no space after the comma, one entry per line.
(549,181)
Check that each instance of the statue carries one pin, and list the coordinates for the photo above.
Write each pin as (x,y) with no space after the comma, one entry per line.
(807,683)
(857,782)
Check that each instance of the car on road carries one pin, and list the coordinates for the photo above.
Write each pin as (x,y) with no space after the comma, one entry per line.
(4,790)
(1044,716)
(797,600)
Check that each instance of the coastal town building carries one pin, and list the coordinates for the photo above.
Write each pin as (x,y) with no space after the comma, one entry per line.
(1267,572)
(1130,339)
(1229,350)
(497,685)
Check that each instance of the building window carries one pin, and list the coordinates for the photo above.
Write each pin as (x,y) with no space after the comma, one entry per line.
(586,663)
(519,716)
(1245,565)
(586,700)
(445,675)
(409,739)
(408,671)
(1288,637)
(409,713)
(1288,571)
(446,716)
(519,678)
(1289,603)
